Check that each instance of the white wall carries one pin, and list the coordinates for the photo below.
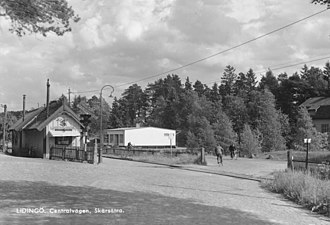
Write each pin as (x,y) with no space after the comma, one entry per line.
(149,136)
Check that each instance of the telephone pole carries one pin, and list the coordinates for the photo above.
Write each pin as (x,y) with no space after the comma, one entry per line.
(69,92)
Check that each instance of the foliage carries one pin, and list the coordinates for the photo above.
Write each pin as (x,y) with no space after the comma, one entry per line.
(300,187)
(250,141)
(38,16)
(306,129)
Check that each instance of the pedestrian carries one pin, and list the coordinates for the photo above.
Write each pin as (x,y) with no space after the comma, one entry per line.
(129,148)
(232,150)
(236,153)
(218,153)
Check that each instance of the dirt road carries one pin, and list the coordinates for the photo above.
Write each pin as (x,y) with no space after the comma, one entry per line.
(126,192)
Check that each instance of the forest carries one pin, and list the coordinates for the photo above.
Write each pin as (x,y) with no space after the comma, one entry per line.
(257,116)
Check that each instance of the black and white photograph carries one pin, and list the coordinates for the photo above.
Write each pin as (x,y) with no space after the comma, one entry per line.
(169,112)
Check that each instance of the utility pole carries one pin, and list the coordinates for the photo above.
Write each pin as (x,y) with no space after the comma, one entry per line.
(69,92)
(4,128)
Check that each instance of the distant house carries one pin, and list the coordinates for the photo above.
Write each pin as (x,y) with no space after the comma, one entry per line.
(319,110)
(37,132)
(150,137)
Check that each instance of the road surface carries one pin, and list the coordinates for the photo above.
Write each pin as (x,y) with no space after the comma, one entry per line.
(126,192)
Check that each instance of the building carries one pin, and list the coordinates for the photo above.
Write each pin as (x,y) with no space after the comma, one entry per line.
(146,137)
(319,110)
(42,128)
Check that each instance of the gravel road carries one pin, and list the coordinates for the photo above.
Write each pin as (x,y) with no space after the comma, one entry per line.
(145,194)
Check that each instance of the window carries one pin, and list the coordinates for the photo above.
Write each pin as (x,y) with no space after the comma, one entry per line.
(111,138)
(121,139)
(324,128)
(63,140)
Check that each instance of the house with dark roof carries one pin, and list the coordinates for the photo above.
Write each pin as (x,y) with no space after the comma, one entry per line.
(319,110)
(41,129)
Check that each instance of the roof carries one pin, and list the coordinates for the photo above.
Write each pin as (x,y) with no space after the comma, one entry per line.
(136,128)
(316,102)
(38,119)
(323,112)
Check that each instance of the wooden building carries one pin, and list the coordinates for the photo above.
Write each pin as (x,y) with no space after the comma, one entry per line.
(42,128)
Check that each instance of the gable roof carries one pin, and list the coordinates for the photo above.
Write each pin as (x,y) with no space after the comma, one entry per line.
(316,102)
(38,119)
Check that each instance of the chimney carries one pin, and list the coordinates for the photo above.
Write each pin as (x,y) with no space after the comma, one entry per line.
(47,101)
(24,107)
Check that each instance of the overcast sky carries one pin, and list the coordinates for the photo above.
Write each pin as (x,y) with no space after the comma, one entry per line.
(118,42)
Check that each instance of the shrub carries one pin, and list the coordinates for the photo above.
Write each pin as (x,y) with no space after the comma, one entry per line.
(300,187)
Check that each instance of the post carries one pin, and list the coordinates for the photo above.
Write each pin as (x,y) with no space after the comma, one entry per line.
(202,155)
(290,163)
(24,107)
(101,125)
(307,141)
(4,128)
(95,151)
(307,158)
(101,131)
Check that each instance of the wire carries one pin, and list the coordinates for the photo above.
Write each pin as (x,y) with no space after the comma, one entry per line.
(224,51)
(283,67)
(215,54)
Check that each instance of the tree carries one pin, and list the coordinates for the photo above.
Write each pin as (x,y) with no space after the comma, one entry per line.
(228,79)
(264,117)
(38,16)
(270,82)
(251,143)
(322,2)
(236,110)
(306,129)
(135,102)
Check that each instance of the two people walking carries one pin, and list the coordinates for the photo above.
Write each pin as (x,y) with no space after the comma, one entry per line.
(219,153)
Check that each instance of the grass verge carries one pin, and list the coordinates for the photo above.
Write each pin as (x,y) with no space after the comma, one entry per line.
(302,188)
(180,159)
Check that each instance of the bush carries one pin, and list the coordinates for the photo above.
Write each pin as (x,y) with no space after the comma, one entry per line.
(301,188)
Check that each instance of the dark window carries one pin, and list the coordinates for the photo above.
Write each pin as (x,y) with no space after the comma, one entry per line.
(325,128)
(63,141)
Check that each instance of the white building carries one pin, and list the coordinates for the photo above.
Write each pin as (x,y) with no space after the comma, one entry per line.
(141,137)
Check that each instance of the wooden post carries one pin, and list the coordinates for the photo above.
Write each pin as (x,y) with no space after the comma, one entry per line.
(202,155)
(95,152)
(290,163)
(63,153)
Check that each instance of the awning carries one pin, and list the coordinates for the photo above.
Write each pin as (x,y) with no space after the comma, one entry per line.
(64,133)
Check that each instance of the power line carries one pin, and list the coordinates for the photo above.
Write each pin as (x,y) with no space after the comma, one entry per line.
(287,66)
(224,51)
(213,55)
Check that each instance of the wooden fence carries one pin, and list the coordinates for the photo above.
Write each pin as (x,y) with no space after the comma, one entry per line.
(121,151)
(72,154)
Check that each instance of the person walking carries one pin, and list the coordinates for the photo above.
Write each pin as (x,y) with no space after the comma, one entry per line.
(232,150)
(218,153)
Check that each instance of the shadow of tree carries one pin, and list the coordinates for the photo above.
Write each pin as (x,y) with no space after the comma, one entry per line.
(137,207)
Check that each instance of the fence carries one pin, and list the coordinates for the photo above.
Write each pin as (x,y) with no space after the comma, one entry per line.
(121,151)
(72,154)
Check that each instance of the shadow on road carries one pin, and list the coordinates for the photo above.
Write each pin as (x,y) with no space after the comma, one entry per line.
(123,207)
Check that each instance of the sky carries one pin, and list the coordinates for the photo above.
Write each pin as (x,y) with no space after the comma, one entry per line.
(121,42)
